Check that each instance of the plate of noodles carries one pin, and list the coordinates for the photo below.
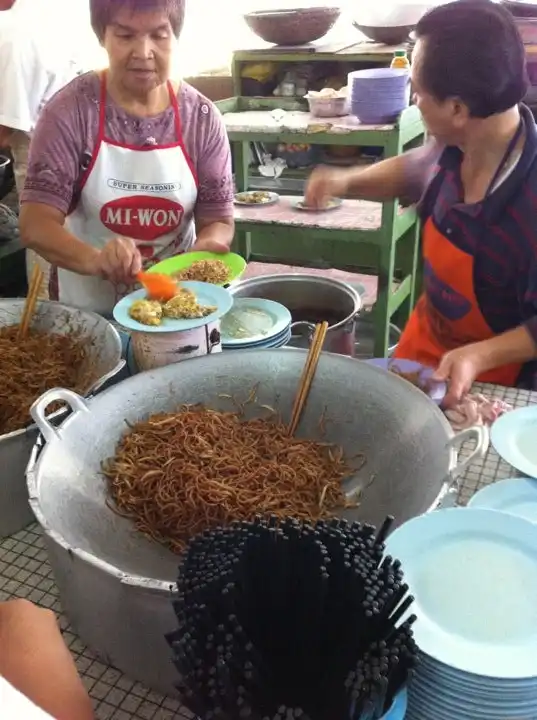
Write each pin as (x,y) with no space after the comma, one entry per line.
(416,373)
(206,267)
(196,304)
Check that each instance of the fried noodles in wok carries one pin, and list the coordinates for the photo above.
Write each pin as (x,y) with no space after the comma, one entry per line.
(178,474)
(32,365)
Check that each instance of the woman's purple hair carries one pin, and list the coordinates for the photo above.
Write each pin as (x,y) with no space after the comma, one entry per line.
(102,12)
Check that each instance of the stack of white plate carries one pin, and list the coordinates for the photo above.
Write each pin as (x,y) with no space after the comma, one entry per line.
(255,323)
(473,574)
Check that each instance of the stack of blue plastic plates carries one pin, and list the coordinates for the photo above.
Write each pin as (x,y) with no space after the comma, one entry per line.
(473,574)
(255,323)
(378,95)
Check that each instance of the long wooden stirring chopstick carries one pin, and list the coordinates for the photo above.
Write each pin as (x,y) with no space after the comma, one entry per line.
(307,376)
(31,299)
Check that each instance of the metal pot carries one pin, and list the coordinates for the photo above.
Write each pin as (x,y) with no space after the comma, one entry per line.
(16,447)
(115,584)
(310,299)
(364,338)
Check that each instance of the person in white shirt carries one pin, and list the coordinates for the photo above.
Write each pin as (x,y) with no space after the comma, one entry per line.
(16,706)
(33,69)
(38,676)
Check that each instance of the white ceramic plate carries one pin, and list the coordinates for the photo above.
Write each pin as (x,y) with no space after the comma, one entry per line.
(244,198)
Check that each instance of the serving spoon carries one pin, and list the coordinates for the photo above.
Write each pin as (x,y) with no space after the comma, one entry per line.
(158,286)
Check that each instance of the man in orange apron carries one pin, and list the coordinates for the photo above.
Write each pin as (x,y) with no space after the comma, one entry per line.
(476,182)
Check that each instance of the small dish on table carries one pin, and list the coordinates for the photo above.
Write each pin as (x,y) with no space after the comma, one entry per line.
(256,198)
(332,204)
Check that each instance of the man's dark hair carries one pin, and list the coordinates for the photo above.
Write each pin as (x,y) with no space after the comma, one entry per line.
(473,51)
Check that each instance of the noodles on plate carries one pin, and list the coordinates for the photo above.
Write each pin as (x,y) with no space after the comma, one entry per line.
(209,271)
(32,365)
(178,474)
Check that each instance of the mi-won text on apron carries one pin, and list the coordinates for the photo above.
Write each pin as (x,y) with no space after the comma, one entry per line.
(146,193)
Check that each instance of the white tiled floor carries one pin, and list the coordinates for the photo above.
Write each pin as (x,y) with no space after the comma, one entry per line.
(25,572)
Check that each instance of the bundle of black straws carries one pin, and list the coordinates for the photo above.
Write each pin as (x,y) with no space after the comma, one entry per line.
(280,619)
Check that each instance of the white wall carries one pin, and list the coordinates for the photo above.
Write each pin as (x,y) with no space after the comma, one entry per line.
(213,28)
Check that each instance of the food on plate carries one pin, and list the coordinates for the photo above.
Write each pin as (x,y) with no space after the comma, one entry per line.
(146,312)
(215,272)
(254,197)
(36,363)
(178,474)
(327,94)
(332,203)
(184,306)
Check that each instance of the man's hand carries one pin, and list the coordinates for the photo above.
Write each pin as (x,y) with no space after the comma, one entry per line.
(460,368)
(324,184)
(119,261)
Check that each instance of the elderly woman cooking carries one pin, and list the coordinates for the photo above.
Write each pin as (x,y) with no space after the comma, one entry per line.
(127,166)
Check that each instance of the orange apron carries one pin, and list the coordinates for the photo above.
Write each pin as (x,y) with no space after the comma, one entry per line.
(447,315)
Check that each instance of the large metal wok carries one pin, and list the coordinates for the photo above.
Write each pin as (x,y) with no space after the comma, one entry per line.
(16,447)
(115,584)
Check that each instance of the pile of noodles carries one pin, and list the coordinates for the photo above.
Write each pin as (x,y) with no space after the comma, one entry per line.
(176,475)
(37,363)
(209,271)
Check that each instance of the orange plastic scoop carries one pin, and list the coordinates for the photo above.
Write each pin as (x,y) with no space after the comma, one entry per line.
(158,286)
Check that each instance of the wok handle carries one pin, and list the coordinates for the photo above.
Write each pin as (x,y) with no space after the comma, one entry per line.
(310,327)
(108,376)
(480,434)
(38,409)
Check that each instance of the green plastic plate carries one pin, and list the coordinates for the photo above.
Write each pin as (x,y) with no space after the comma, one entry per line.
(235,263)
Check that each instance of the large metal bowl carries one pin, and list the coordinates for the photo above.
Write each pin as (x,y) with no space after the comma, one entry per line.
(310,299)
(16,447)
(386,34)
(292,27)
(115,584)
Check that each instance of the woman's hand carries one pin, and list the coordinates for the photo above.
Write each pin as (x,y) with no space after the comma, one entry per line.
(325,184)
(210,245)
(460,368)
(119,261)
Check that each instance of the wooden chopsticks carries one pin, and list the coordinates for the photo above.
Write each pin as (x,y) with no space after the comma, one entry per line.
(31,299)
(307,376)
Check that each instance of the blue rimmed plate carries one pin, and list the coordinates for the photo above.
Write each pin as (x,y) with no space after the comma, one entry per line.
(473,574)
(206,294)
(516,496)
(252,321)
(514,437)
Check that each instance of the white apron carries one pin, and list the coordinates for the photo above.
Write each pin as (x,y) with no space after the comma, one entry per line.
(145,193)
